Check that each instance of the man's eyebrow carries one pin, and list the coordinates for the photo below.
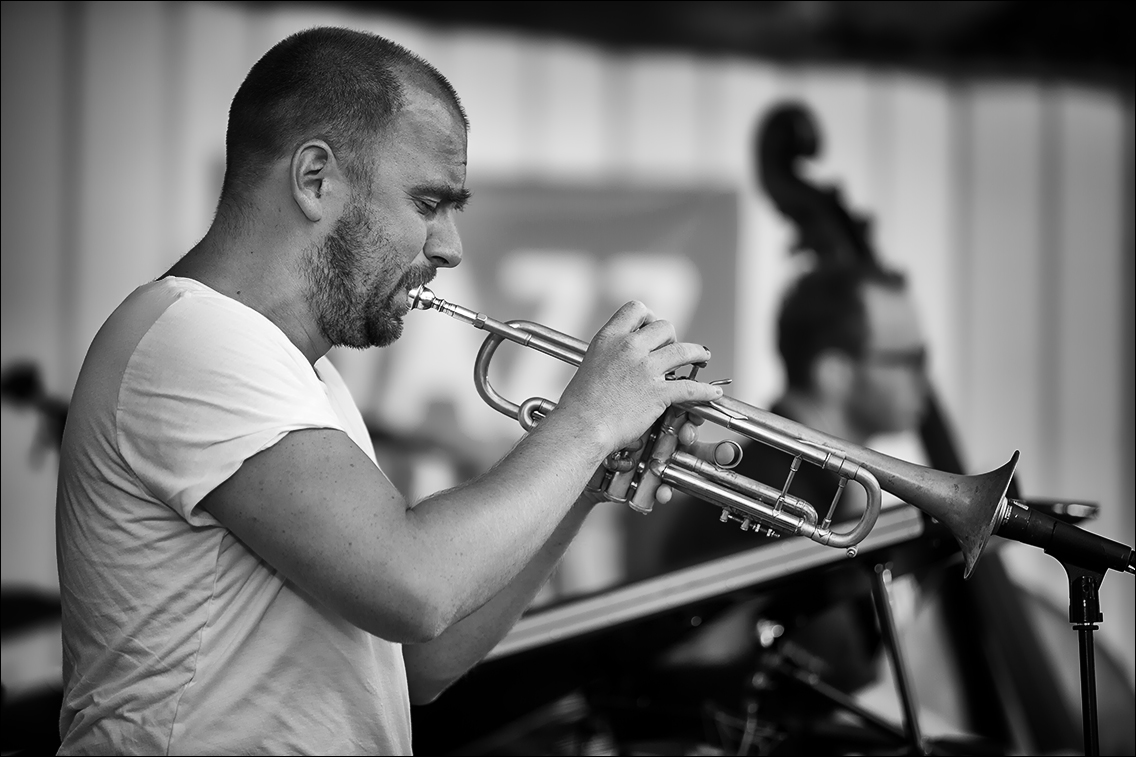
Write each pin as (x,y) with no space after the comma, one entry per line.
(446,194)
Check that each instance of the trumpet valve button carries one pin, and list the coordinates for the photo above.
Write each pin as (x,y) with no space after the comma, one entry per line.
(772,534)
(725,516)
(727,454)
(745,524)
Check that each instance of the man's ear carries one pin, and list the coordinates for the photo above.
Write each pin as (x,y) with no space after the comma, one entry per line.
(315,178)
(833,375)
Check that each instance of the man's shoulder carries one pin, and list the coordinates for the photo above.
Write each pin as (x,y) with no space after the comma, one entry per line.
(178,319)
(191,306)
(185,303)
(171,331)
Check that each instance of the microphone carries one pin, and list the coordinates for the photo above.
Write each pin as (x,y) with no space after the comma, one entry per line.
(1064,541)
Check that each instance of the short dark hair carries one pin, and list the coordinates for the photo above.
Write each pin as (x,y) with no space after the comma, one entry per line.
(339,85)
(824,310)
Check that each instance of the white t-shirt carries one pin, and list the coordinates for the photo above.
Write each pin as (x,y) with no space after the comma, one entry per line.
(177,638)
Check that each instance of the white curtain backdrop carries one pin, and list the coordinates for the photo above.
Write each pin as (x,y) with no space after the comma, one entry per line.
(1008,202)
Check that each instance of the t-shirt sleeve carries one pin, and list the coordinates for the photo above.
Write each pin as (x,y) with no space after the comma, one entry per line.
(210,385)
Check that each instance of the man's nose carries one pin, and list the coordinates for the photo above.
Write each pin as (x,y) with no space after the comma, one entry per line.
(443,246)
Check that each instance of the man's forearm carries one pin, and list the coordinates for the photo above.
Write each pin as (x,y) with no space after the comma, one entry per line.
(434,665)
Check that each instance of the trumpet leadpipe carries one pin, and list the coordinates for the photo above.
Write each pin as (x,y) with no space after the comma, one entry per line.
(527,334)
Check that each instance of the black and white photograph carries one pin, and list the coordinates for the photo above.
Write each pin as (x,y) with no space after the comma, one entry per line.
(568,378)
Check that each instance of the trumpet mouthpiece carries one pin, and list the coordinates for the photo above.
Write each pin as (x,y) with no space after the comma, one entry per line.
(420,298)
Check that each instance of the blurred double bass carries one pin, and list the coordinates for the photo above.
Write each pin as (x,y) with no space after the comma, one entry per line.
(1013,676)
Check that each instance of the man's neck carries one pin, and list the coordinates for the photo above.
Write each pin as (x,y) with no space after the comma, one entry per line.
(255,272)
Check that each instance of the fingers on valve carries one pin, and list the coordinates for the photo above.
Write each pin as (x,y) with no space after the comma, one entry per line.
(687,433)
(724,454)
(669,358)
(692,391)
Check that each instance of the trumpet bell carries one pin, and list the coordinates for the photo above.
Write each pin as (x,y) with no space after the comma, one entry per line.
(970,507)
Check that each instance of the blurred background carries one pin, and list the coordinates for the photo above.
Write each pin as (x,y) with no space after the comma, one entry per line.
(611,157)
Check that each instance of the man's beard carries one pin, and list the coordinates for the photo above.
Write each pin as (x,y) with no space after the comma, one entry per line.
(349,304)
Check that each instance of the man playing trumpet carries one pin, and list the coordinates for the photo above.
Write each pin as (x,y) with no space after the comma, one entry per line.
(237,574)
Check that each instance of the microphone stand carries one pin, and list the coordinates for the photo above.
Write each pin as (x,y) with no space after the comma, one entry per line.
(1084,614)
(1085,557)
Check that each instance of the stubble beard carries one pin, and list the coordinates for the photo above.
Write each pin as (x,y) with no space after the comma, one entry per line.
(349,302)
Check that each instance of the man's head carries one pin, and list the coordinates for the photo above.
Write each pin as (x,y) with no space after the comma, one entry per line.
(366,141)
(340,85)
(850,338)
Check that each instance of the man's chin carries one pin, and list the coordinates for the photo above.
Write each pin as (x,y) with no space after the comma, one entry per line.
(384,332)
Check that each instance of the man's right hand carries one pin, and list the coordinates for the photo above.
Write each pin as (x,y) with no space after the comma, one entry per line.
(621,387)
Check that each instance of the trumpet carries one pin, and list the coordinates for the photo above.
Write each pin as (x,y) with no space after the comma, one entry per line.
(971,507)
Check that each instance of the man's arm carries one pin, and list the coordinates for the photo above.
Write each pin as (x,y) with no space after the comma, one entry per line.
(316,508)
(432,666)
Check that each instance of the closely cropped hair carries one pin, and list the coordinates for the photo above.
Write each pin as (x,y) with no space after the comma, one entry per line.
(824,310)
(339,85)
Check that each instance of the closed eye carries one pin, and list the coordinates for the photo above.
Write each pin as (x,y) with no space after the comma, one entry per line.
(430,199)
